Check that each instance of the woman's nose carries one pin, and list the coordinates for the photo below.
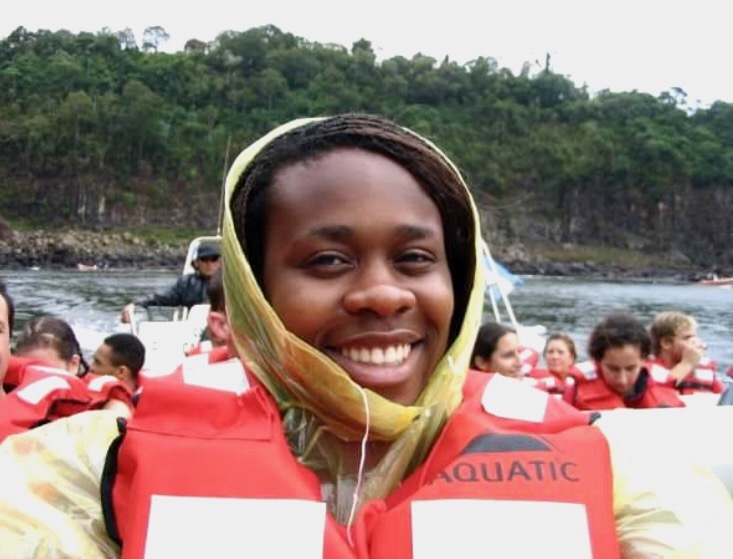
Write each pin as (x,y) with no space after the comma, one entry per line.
(382,299)
(378,291)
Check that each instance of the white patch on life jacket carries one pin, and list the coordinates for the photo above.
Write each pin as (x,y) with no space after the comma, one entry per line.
(588,368)
(659,373)
(704,374)
(99,382)
(155,373)
(40,389)
(706,363)
(233,528)
(512,399)
(226,375)
(506,529)
(527,354)
(206,346)
(52,370)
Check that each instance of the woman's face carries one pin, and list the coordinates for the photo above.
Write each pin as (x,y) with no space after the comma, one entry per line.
(355,265)
(620,367)
(506,358)
(558,357)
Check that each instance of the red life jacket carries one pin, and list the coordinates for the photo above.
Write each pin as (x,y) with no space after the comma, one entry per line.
(592,393)
(195,364)
(39,394)
(529,358)
(219,462)
(549,382)
(702,378)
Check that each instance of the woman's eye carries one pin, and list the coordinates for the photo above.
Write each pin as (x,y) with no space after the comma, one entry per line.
(327,260)
(417,257)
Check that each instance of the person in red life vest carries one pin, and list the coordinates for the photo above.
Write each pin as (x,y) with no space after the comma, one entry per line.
(497,350)
(52,341)
(40,384)
(120,356)
(560,371)
(354,293)
(677,348)
(617,377)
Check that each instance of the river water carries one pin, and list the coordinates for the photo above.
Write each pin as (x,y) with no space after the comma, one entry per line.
(92,300)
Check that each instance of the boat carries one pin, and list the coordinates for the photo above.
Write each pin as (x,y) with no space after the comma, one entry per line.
(674,428)
(715,281)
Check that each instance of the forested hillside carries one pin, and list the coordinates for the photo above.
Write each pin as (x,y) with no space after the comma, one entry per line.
(97,131)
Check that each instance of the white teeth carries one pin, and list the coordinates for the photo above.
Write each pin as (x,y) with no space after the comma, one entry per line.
(377,356)
(390,355)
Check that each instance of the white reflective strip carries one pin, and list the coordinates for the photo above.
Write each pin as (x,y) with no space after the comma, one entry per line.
(512,399)
(234,528)
(506,529)
(525,369)
(704,374)
(526,354)
(227,375)
(52,370)
(40,389)
(588,368)
(206,346)
(659,373)
(99,382)
(149,373)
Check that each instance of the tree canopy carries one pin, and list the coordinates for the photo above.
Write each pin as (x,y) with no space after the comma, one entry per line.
(98,132)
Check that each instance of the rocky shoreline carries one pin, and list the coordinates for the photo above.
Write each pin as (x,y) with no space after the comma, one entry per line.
(85,250)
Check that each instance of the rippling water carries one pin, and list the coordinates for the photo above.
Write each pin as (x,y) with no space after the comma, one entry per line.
(574,306)
(93,300)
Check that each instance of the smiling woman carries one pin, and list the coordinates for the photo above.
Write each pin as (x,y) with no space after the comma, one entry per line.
(350,249)
(355,259)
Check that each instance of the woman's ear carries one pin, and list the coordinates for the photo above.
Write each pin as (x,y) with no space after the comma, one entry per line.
(74,364)
(482,364)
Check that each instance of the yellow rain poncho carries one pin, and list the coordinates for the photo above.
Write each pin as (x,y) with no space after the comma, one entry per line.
(49,495)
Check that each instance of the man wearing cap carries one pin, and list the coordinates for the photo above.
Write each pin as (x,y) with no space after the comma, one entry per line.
(189,289)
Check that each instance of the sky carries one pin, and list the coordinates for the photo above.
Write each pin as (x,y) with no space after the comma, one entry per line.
(645,45)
